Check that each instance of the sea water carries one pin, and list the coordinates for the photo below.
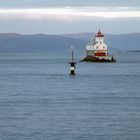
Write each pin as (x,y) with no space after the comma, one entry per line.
(39,100)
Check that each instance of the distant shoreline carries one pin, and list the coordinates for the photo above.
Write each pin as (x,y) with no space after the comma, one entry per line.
(134,51)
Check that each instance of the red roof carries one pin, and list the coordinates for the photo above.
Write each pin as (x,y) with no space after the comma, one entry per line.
(99,34)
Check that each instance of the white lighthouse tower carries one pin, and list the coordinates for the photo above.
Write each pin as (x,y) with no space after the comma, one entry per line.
(97,50)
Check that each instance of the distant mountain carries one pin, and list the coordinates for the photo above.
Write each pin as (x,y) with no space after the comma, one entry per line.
(126,42)
(12,42)
(122,42)
(38,43)
(83,36)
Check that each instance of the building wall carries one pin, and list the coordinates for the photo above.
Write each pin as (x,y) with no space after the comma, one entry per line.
(100,46)
(98,39)
(97,46)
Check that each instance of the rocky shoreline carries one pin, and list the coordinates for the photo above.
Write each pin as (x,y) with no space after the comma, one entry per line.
(96,59)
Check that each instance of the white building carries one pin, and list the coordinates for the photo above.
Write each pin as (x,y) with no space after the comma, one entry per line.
(97,47)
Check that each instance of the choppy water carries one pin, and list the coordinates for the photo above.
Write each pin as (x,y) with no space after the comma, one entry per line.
(39,100)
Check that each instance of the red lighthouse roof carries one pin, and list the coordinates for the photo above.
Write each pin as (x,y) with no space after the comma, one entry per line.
(99,34)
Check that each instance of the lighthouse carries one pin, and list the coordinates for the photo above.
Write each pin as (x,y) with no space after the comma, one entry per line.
(97,50)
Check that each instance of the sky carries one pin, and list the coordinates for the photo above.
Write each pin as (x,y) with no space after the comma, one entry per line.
(69,16)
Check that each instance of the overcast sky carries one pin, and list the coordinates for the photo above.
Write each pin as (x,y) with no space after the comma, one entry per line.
(69,16)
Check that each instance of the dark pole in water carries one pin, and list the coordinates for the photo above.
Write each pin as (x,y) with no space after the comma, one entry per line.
(72,56)
(72,65)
